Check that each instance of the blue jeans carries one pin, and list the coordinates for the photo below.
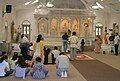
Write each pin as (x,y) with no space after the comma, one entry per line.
(65,46)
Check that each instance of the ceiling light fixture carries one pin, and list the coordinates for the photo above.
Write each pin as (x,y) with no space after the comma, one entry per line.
(99,5)
(43,6)
(35,1)
(27,3)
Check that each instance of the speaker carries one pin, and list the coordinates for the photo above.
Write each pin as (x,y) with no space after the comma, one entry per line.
(8,8)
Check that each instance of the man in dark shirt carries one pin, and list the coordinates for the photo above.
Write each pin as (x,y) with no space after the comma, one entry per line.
(65,39)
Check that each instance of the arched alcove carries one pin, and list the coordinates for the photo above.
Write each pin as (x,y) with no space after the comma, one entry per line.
(26,29)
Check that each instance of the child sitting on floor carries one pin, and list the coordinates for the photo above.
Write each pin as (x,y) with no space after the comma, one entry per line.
(13,60)
(21,69)
(39,71)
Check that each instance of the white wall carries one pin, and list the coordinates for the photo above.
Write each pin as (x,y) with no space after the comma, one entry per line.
(107,19)
(22,15)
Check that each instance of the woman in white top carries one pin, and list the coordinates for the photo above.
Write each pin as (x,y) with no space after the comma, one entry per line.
(62,64)
(38,48)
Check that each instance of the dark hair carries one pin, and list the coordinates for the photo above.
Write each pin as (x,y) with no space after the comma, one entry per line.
(15,56)
(38,40)
(82,39)
(116,33)
(4,52)
(31,44)
(22,35)
(55,47)
(5,57)
(74,33)
(39,36)
(48,49)
(38,59)
(1,59)
(61,53)
(65,33)
(21,62)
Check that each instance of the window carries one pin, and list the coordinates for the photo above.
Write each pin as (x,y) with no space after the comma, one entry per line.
(26,28)
(98,29)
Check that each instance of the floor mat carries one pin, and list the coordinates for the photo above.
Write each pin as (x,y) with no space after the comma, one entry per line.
(94,70)
(84,57)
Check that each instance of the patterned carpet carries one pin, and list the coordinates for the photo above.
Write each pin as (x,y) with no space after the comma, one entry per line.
(84,57)
(94,70)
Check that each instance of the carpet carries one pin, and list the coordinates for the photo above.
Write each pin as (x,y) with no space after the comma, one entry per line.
(94,70)
(83,57)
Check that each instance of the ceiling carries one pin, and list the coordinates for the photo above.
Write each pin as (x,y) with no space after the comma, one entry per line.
(109,5)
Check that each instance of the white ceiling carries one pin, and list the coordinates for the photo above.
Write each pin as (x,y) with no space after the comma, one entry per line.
(110,5)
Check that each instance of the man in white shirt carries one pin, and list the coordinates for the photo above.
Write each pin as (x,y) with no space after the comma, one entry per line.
(55,53)
(73,40)
(62,64)
(116,43)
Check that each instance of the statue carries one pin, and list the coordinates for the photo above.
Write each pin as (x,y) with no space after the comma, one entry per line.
(105,38)
(12,31)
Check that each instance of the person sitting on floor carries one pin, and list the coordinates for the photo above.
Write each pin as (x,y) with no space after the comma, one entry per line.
(55,54)
(13,60)
(39,71)
(21,68)
(62,64)
(4,67)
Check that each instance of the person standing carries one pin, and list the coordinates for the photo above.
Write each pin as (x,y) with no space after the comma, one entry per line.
(97,44)
(38,48)
(116,43)
(82,45)
(73,41)
(65,40)
(24,46)
(111,40)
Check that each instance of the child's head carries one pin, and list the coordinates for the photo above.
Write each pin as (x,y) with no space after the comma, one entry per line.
(82,39)
(5,57)
(55,47)
(38,59)
(15,56)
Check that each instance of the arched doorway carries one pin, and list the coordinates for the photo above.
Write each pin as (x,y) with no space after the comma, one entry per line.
(26,28)
(98,28)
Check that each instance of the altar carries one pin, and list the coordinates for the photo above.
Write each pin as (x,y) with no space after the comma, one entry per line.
(55,24)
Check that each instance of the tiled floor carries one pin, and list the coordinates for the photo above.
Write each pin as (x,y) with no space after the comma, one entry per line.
(74,75)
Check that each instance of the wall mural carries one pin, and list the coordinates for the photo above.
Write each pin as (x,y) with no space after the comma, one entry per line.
(65,25)
(54,28)
(75,26)
(43,26)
